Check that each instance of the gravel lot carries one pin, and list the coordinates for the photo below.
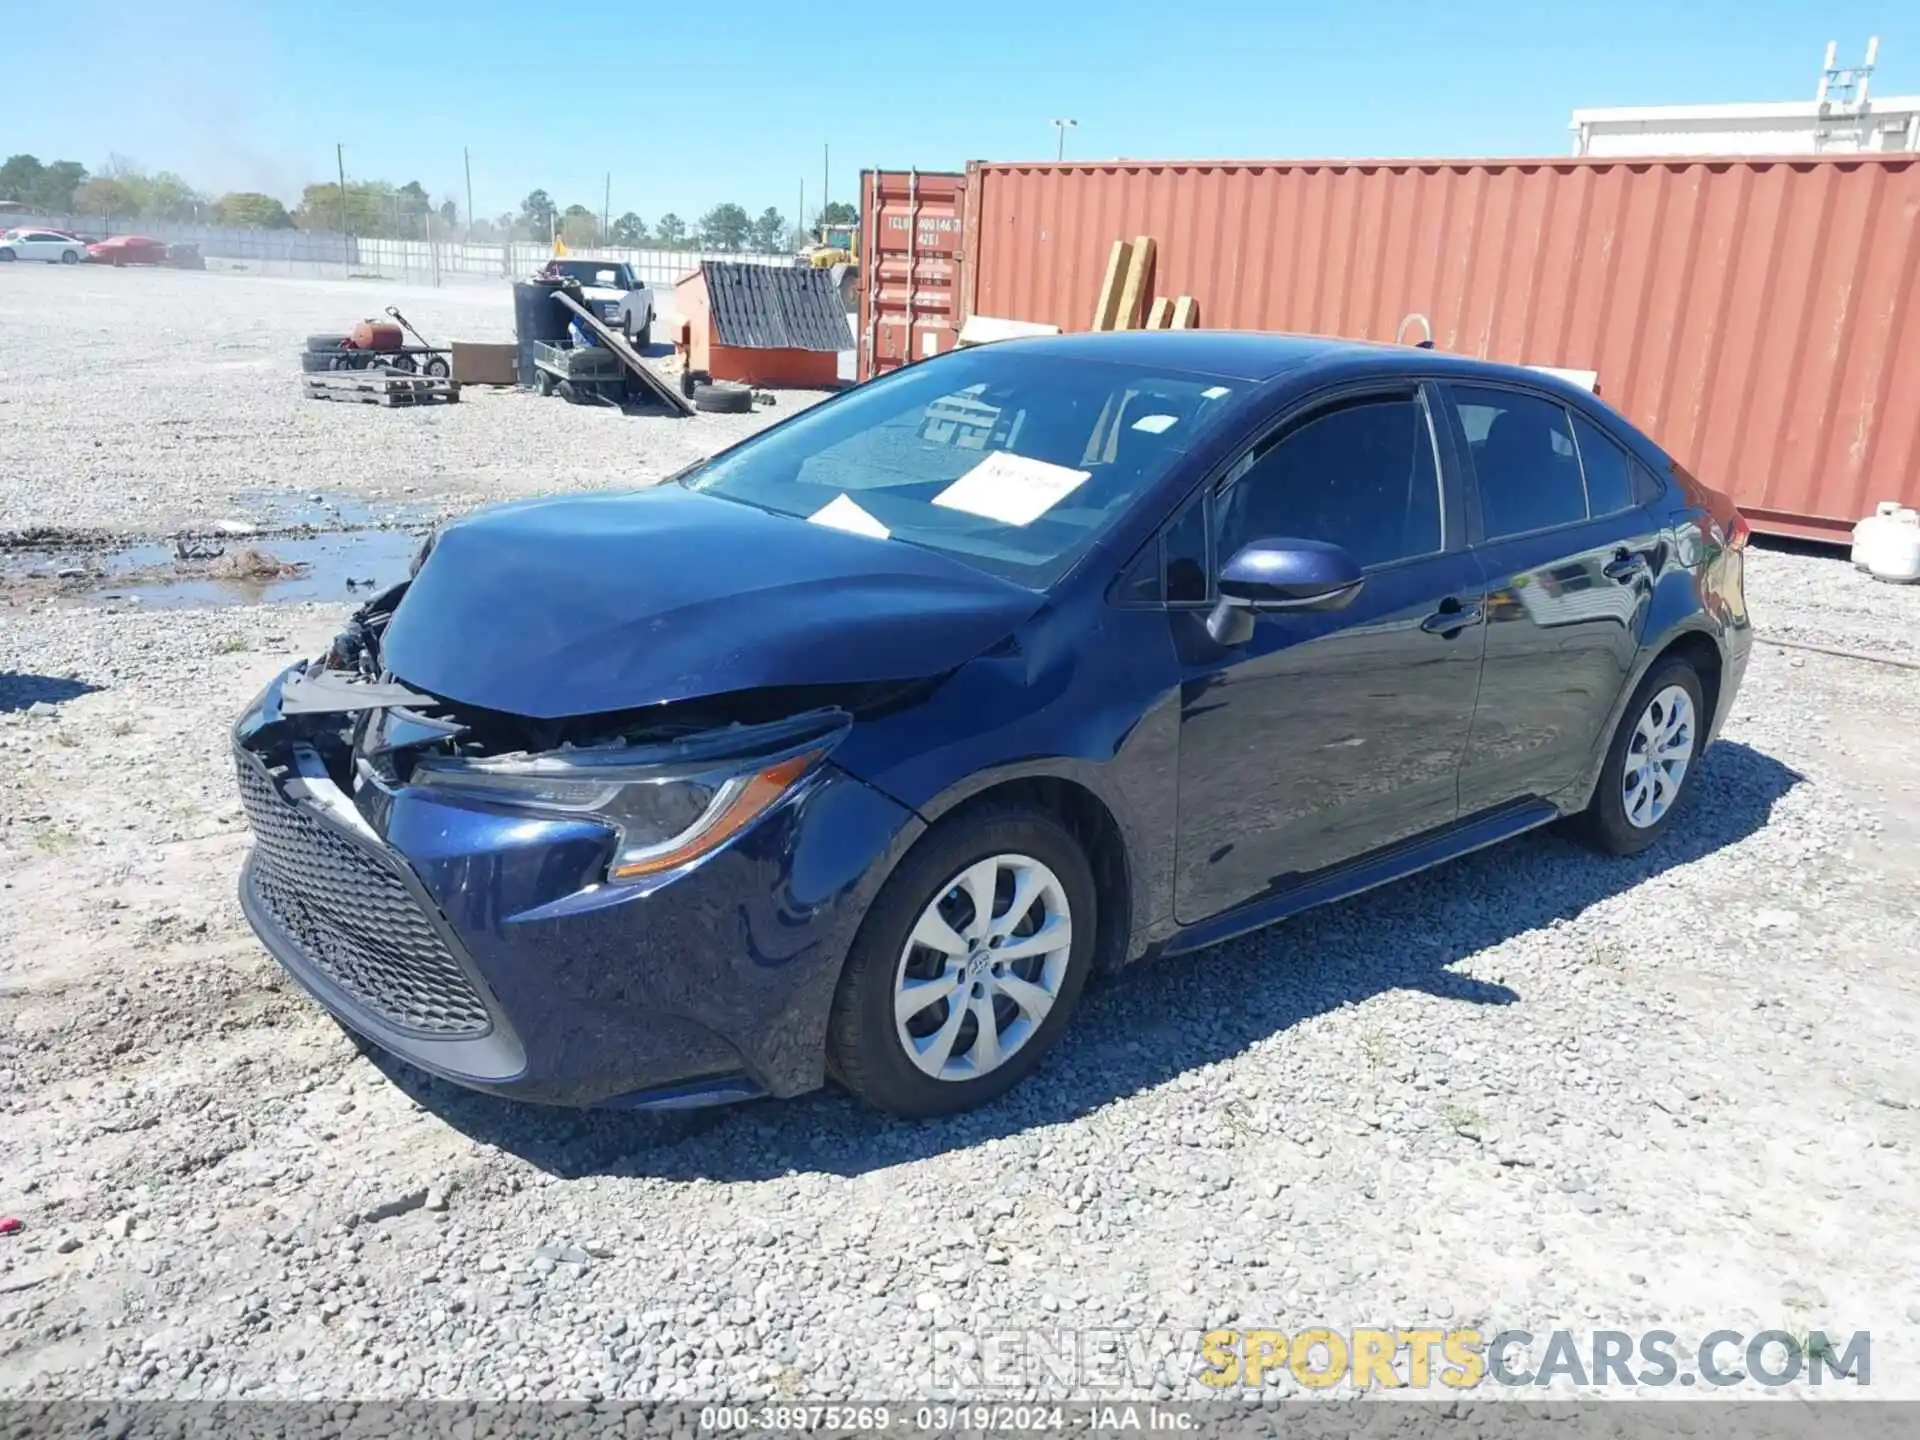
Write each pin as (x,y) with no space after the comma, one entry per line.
(1533,1089)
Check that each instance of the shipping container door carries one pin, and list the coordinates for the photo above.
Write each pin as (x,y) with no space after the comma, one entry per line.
(910,223)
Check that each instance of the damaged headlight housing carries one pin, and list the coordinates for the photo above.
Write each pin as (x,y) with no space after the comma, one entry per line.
(668,806)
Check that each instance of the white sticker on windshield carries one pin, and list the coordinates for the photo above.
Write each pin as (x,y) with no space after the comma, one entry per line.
(1011,488)
(844,513)
(1156,424)
(1214,392)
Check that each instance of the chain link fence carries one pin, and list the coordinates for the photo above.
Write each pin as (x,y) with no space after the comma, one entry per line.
(320,254)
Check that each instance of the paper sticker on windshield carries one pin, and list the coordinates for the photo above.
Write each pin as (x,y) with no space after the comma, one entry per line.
(1156,424)
(1011,488)
(1214,392)
(844,513)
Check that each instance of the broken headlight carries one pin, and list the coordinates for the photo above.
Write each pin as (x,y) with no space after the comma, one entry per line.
(664,814)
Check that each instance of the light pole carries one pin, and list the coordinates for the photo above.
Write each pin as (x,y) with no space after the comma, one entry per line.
(1063,126)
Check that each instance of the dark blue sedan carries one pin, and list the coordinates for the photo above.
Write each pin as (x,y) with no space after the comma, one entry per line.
(854,750)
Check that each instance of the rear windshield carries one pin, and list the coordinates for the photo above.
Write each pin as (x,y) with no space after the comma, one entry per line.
(596,272)
(1012,461)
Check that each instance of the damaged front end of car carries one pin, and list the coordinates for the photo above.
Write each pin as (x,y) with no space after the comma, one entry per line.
(589,909)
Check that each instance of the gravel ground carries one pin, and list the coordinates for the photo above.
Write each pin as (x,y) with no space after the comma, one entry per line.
(1533,1089)
(140,402)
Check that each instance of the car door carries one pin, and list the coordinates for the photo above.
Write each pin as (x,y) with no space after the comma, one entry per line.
(38,245)
(1568,552)
(1328,734)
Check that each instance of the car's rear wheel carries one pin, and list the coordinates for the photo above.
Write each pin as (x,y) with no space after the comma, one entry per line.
(69,257)
(968,965)
(1651,761)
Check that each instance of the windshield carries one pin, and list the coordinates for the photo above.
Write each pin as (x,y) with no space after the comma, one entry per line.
(1013,462)
(596,272)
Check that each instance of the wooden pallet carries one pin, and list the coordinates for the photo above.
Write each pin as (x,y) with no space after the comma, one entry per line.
(374,387)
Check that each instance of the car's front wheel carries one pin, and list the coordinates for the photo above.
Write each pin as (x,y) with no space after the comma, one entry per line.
(968,965)
(6,253)
(69,257)
(1651,760)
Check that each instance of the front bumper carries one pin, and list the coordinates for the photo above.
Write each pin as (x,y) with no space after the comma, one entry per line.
(483,945)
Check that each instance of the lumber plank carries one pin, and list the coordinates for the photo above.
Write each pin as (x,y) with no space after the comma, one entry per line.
(629,357)
(1160,316)
(1186,313)
(1139,283)
(1106,306)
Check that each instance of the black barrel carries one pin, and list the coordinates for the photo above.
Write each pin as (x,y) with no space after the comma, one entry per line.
(536,316)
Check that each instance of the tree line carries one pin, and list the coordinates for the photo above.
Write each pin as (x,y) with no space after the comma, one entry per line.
(123,193)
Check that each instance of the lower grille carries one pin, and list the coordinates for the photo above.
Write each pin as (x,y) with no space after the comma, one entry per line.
(354,918)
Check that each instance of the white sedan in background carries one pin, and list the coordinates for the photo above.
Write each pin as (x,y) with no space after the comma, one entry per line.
(48,245)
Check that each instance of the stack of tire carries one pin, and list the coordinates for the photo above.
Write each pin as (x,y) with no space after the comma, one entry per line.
(715,397)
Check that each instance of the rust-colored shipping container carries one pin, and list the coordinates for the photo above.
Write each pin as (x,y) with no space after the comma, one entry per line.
(910,246)
(1758,317)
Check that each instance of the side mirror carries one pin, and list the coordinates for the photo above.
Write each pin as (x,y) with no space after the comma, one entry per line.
(1281,575)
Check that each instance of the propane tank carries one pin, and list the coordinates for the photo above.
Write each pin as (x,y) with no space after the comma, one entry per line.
(1895,550)
(1865,531)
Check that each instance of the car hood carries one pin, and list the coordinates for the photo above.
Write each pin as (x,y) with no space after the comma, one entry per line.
(593,603)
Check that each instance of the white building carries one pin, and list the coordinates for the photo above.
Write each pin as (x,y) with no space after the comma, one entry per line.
(1839,120)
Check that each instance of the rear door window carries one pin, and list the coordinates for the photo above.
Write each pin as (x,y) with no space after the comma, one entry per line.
(1609,471)
(1525,463)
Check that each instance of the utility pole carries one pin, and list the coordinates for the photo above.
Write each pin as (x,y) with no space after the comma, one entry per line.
(467,160)
(340,158)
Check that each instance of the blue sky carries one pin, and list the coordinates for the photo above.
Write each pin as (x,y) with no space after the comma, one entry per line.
(733,99)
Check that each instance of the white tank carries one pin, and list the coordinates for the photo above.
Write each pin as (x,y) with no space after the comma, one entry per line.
(1895,550)
(1865,530)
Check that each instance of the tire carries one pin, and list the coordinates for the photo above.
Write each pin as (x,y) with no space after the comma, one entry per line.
(318,343)
(1612,824)
(564,389)
(69,257)
(724,398)
(542,383)
(866,1051)
(313,363)
(644,336)
(405,364)
(6,255)
(437,367)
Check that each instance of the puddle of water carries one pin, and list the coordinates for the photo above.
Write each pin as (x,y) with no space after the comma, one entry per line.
(370,559)
(152,574)
(273,509)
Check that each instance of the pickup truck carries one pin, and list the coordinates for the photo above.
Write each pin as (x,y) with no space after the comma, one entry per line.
(614,293)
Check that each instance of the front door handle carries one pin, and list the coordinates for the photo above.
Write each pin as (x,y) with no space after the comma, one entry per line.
(1452,617)
(1626,565)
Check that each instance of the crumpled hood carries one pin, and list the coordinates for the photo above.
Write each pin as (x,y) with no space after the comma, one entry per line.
(590,603)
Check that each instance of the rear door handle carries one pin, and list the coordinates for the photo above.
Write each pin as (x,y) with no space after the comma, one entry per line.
(1626,565)
(1452,617)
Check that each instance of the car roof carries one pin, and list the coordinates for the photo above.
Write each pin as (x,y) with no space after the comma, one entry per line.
(1252,355)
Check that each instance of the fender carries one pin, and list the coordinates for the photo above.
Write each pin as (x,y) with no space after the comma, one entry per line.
(1677,610)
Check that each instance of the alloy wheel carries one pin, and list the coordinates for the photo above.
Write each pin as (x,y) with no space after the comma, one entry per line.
(982,967)
(1657,757)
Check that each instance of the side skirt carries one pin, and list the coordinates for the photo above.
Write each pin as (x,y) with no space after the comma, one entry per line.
(1462,837)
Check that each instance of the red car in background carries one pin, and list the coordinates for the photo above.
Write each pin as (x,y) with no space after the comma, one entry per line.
(128,250)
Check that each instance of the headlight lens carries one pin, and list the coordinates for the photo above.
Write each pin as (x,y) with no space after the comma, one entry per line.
(664,817)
